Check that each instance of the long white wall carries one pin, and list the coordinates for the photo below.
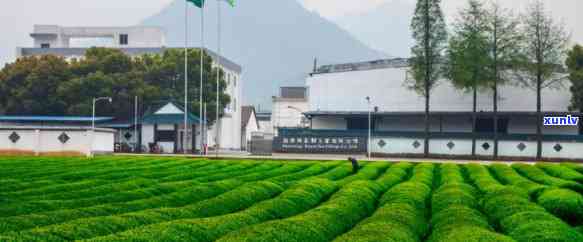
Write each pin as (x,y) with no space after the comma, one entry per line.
(45,141)
(346,91)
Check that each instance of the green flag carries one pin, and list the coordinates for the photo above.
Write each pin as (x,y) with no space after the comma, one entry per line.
(198,3)
(231,2)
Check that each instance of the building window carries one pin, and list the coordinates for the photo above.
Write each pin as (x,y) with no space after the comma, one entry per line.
(45,46)
(234,81)
(358,124)
(486,125)
(166,136)
(123,39)
(235,105)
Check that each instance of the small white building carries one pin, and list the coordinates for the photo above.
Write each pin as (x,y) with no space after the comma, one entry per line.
(249,125)
(134,41)
(288,108)
(52,135)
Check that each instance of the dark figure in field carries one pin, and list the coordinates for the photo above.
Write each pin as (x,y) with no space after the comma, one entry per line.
(354,164)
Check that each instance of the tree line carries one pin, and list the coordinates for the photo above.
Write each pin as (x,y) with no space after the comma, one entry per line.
(52,85)
(488,46)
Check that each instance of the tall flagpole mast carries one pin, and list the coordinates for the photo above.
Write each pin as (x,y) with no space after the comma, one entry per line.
(184,139)
(201,74)
(218,72)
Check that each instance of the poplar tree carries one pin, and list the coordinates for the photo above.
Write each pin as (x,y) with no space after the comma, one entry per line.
(467,55)
(430,35)
(544,51)
(504,39)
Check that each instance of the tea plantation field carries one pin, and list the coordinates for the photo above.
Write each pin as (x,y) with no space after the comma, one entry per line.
(180,199)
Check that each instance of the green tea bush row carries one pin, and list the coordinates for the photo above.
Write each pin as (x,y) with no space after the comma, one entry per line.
(337,173)
(297,199)
(402,212)
(93,197)
(538,175)
(35,190)
(481,178)
(454,206)
(367,172)
(232,201)
(560,171)
(563,203)
(509,176)
(511,209)
(343,210)
(575,166)
(185,197)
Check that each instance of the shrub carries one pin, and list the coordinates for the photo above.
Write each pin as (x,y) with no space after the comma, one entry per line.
(510,223)
(471,234)
(453,194)
(454,217)
(545,231)
(563,203)
(540,176)
(561,172)
(344,209)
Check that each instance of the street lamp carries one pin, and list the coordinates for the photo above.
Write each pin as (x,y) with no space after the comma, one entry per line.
(368,100)
(95,100)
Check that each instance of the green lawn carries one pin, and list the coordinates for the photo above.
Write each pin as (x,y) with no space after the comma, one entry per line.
(180,199)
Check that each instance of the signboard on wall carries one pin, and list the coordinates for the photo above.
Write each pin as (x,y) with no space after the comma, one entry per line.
(321,144)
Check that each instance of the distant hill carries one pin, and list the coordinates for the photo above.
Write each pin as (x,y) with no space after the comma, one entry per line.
(384,28)
(274,41)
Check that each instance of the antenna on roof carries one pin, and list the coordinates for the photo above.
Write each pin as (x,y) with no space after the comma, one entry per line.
(315,64)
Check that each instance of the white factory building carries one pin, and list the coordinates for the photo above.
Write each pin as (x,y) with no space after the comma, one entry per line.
(72,42)
(338,110)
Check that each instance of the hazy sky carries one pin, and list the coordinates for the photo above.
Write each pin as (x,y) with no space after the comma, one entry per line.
(18,16)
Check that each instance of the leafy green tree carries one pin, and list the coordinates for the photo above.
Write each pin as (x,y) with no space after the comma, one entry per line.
(575,64)
(29,84)
(430,35)
(504,39)
(49,85)
(544,51)
(468,56)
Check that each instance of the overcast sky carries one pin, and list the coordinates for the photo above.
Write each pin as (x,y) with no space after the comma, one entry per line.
(18,16)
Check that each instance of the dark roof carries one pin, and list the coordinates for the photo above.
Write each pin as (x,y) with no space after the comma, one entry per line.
(7,118)
(264,116)
(294,92)
(361,66)
(169,119)
(246,112)
(154,118)
(438,113)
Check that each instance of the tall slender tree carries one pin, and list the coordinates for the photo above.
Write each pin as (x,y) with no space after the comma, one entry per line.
(504,40)
(575,65)
(544,50)
(467,55)
(430,35)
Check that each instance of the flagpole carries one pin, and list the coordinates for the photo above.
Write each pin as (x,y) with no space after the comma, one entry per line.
(218,71)
(202,51)
(184,138)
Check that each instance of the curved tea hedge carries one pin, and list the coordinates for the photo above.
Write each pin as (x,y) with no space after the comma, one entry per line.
(182,199)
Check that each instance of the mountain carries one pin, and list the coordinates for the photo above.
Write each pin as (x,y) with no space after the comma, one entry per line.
(274,41)
(384,28)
